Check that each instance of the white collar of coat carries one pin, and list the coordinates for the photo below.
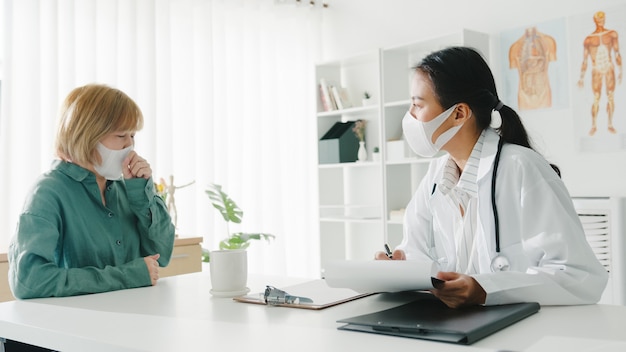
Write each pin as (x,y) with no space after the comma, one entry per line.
(467,181)
(488,155)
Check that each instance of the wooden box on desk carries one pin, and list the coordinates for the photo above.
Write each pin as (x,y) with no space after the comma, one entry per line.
(5,291)
(186,258)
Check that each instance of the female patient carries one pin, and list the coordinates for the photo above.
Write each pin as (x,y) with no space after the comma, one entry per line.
(534,249)
(93,222)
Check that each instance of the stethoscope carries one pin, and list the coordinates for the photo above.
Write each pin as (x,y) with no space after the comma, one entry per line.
(499,262)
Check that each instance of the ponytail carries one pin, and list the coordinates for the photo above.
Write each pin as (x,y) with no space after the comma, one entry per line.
(512,129)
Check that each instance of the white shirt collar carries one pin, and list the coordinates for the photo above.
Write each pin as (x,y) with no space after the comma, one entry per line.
(467,181)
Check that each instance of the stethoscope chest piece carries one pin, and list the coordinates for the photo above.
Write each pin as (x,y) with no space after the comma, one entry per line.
(499,263)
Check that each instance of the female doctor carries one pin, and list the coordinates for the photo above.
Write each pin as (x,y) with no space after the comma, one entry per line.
(516,240)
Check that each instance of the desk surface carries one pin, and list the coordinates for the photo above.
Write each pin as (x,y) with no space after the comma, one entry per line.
(180,314)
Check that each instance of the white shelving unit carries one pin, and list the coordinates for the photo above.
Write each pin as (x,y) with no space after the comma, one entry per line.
(357,198)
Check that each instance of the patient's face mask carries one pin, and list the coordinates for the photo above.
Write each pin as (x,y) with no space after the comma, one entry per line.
(419,134)
(111,166)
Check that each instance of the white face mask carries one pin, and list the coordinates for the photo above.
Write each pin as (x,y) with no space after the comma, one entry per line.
(111,167)
(419,134)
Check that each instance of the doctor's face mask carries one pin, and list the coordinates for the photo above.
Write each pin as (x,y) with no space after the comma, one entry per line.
(419,134)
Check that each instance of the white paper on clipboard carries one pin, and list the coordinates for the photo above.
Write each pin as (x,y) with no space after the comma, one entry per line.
(381,275)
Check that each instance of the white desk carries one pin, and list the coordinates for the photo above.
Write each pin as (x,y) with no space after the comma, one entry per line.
(179,314)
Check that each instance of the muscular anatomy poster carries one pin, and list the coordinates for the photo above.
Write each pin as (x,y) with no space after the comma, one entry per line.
(535,65)
(598,94)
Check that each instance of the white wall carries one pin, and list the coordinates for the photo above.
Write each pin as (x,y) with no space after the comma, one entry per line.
(357,26)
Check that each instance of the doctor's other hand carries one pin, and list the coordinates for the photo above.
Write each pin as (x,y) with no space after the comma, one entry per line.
(153,267)
(459,290)
(397,254)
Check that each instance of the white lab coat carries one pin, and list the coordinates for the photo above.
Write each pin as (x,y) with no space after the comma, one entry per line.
(540,233)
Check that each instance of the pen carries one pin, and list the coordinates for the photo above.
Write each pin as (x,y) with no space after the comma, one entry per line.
(388,252)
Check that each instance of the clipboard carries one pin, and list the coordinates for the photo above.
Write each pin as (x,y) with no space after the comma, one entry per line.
(318,291)
(428,318)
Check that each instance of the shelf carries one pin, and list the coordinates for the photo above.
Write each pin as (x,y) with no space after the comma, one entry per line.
(350,219)
(354,110)
(360,213)
(406,161)
(409,161)
(401,103)
(350,165)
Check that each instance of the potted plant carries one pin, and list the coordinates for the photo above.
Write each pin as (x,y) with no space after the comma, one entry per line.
(366,98)
(231,213)
(376,154)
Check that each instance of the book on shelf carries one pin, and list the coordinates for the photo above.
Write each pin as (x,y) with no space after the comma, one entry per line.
(333,101)
(341,97)
(327,103)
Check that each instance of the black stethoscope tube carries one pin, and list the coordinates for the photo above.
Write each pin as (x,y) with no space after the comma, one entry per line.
(493,195)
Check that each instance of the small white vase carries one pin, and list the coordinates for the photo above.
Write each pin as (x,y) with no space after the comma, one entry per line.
(362,154)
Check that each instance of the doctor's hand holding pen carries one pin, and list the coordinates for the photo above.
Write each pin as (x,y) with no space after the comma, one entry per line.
(397,254)
(454,289)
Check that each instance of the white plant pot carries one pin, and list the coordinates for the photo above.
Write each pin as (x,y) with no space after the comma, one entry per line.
(229,272)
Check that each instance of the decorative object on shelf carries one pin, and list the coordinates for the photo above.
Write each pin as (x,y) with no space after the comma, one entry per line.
(376,154)
(313,4)
(359,129)
(396,150)
(362,152)
(367,99)
(339,144)
(166,192)
(231,213)
(359,132)
(397,214)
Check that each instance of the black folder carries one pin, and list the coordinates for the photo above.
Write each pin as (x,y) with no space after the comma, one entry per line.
(430,319)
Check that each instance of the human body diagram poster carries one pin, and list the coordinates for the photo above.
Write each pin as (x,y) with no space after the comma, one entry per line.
(575,63)
(535,66)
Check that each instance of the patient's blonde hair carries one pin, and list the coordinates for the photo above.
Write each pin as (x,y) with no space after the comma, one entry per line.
(87,115)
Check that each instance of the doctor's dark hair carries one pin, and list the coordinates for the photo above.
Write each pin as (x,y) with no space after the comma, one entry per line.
(461,75)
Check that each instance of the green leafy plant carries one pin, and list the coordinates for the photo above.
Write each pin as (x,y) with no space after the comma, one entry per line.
(366,95)
(231,213)
(376,150)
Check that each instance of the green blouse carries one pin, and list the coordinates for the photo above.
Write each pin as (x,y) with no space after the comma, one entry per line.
(68,243)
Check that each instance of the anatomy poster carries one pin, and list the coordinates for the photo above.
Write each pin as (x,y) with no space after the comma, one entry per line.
(598,93)
(535,68)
